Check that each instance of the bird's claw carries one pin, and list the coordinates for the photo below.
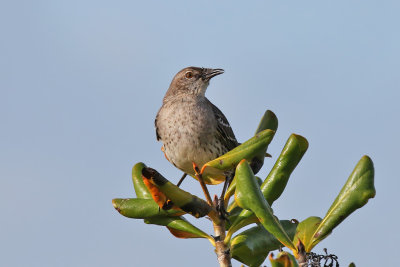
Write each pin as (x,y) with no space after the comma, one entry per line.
(223,214)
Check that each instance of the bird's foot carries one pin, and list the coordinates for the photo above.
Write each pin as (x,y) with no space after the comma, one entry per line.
(168,204)
(220,207)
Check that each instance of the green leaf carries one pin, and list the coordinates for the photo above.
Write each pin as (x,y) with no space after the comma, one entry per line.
(179,227)
(231,191)
(248,196)
(352,265)
(139,208)
(284,259)
(305,231)
(278,177)
(252,148)
(358,189)
(268,121)
(140,188)
(234,211)
(252,246)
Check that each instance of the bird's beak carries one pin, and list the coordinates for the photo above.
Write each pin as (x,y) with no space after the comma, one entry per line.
(207,74)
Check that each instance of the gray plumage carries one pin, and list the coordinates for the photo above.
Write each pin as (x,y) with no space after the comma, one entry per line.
(191,128)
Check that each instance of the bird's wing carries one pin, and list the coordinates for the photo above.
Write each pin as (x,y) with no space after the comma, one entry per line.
(225,133)
(155,124)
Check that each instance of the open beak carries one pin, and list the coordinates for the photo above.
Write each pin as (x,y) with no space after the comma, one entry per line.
(207,74)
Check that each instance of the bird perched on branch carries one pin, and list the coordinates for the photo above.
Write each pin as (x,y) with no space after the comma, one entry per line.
(192,129)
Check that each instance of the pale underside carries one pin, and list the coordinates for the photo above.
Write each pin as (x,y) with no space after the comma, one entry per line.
(188,128)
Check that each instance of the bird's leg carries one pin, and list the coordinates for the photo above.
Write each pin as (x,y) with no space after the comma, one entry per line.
(203,185)
(221,203)
(181,180)
(184,174)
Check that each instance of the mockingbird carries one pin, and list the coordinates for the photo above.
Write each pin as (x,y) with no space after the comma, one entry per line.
(192,129)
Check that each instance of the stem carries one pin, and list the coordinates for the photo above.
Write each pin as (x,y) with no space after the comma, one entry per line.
(202,183)
(222,250)
(301,255)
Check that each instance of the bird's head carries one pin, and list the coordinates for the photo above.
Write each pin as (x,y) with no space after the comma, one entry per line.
(192,80)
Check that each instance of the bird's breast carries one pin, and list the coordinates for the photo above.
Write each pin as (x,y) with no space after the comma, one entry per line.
(187,130)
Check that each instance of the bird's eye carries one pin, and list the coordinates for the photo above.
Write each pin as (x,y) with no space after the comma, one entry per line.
(189,74)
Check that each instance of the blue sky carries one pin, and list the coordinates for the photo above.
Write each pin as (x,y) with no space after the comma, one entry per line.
(81,83)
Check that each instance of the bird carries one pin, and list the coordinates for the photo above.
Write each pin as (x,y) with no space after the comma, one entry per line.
(194,131)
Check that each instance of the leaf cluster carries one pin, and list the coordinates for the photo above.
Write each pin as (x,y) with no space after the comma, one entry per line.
(160,202)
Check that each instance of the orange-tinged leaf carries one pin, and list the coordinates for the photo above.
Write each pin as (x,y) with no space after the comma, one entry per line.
(180,227)
(181,234)
(182,199)
(158,196)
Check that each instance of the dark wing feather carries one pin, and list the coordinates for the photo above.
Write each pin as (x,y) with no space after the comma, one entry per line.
(225,133)
(155,124)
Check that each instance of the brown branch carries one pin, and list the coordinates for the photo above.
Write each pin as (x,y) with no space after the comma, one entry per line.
(222,250)
(202,183)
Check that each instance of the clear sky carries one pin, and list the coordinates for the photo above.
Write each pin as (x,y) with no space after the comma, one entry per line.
(81,83)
